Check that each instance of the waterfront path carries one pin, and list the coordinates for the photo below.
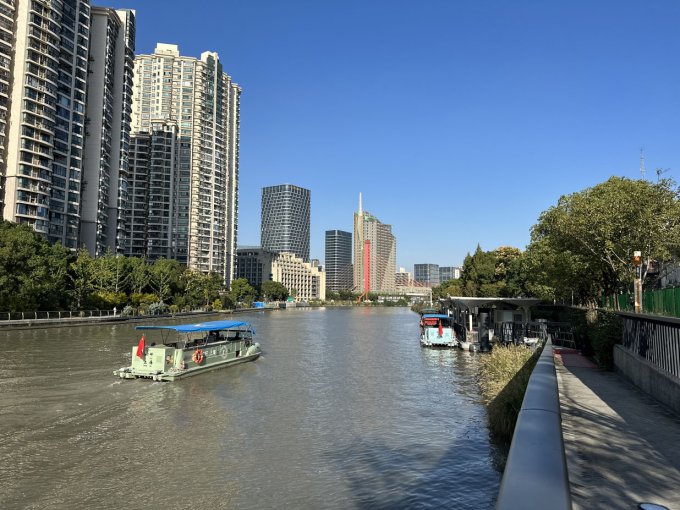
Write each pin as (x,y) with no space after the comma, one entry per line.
(622,446)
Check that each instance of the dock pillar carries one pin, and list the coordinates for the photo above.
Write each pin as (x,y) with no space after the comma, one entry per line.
(483,328)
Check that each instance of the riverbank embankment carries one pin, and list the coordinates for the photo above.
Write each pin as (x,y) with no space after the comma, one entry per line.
(111,319)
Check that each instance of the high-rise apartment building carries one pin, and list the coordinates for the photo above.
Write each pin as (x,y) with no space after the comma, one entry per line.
(427,274)
(107,141)
(204,102)
(45,117)
(152,214)
(285,220)
(7,29)
(375,253)
(338,260)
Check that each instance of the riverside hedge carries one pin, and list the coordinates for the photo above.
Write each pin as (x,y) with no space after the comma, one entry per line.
(503,378)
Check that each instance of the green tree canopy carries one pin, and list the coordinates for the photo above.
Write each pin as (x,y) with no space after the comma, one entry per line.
(32,272)
(201,288)
(242,292)
(273,291)
(448,288)
(478,278)
(165,278)
(139,274)
(81,277)
(586,241)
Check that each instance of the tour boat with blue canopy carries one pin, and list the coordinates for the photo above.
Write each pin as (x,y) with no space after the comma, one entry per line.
(189,349)
(437,330)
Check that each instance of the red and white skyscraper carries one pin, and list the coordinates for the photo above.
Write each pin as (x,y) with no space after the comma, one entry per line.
(375,253)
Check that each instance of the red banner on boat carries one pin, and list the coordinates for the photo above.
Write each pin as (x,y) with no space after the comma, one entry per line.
(140,348)
(441,329)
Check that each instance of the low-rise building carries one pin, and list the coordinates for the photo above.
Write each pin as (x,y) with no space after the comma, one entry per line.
(305,281)
(403,278)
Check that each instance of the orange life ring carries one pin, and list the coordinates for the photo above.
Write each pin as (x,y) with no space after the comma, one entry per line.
(198,356)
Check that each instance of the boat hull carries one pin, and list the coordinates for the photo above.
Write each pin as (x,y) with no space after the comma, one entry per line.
(433,337)
(447,345)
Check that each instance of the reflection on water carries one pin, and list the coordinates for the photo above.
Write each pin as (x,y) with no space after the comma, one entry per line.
(343,410)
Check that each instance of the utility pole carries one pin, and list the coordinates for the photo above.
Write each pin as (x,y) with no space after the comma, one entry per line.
(637,289)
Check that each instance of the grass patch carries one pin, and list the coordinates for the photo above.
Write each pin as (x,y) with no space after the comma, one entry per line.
(503,378)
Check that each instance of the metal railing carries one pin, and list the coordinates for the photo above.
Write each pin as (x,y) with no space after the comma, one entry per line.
(9,317)
(654,338)
(536,476)
(514,332)
(57,314)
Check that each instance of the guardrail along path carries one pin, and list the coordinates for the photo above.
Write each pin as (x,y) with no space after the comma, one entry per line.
(622,447)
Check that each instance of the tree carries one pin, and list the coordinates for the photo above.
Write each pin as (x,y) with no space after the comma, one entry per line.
(139,274)
(448,288)
(478,278)
(242,292)
(348,295)
(596,231)
(165,278)
(201,288)
(32,272)
(81,275)
(102,271)
(273,291)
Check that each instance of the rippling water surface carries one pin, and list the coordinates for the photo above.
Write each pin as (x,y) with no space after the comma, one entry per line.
(343,410)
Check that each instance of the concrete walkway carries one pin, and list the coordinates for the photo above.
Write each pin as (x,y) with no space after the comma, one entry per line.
(622,446)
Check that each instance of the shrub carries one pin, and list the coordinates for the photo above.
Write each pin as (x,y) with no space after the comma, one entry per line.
(503,378)
(158,308)
(137,299)
(128,311)
(103,300)
(217,304)
(174,309)
(604,330)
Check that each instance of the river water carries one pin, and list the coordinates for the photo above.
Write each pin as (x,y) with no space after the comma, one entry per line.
(343,410)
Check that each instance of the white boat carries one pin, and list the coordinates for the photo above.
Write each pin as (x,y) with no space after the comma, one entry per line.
(192,349)
(436,330)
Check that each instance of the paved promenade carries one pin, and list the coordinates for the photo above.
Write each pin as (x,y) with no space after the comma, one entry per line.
(622,446)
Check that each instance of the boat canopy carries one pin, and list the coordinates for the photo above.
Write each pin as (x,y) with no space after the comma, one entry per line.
(201,326)
(436,316)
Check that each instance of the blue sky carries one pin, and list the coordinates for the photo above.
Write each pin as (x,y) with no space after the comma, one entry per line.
(459,121)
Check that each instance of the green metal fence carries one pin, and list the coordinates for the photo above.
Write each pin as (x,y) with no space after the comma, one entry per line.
(658,302)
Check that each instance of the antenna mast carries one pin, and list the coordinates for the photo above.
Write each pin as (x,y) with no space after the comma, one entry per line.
(642,164)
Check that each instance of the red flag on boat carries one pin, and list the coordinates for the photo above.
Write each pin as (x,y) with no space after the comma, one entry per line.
(441,329)
(140,348)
